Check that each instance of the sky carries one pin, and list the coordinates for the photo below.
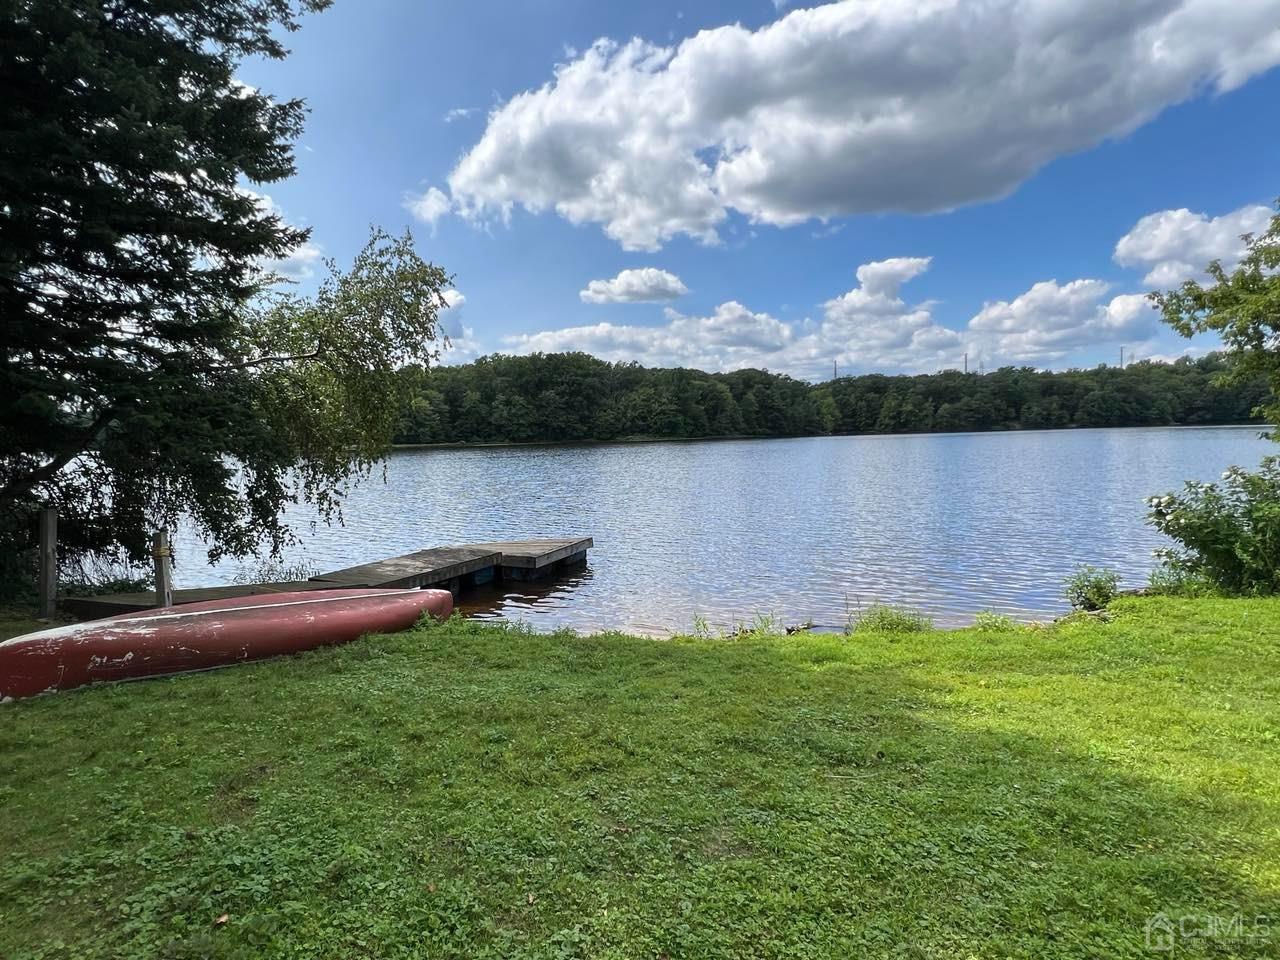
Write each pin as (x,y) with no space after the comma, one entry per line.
(865,186)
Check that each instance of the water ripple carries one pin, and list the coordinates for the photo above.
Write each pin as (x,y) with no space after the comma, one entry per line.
(801,529)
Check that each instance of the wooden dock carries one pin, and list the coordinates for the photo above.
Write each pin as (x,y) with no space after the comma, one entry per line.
(455,568)
(467,565)
(426,568)
(535,559)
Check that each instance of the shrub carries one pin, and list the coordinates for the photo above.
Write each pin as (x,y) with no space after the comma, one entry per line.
(1083,618)
(1169,581)
(988,621)
(883,618)
(1091,588)
(1229,531)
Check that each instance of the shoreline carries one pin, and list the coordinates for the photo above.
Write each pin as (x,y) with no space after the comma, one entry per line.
(629,441)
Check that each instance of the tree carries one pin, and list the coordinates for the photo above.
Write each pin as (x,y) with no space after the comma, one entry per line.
(1230,532)
(146,370)
(1243,307)
(550,397)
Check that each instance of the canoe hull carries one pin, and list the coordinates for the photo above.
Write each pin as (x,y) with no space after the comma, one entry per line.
(202,636)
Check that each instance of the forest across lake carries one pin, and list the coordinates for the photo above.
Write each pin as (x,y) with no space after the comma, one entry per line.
(574,397)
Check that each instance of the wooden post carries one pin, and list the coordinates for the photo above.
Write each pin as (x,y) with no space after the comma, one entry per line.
(48,561)
(164,572)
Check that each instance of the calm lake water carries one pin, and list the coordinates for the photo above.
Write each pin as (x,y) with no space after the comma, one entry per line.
(800,529)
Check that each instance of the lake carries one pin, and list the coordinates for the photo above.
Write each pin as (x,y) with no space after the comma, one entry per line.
(800,529)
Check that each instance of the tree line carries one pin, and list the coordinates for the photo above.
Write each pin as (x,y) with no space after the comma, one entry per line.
(568,397)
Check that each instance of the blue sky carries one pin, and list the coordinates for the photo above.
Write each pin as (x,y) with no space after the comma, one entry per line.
(981,161)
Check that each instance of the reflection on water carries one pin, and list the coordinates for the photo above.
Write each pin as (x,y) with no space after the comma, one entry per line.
(801,529)
(507,600)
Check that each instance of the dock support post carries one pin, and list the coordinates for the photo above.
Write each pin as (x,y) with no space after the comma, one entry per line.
(164,571)
(48,561)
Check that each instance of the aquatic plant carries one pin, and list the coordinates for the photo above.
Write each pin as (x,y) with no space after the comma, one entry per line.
(1091,588)
(992,622)
(886,618)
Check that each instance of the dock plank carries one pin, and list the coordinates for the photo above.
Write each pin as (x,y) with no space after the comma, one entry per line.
(537,553)
(420,569)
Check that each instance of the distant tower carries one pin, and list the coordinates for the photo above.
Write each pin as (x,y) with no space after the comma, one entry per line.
(835,371)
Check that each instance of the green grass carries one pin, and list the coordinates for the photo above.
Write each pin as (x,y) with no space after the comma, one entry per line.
(884,618)
(15,621)
(464,791)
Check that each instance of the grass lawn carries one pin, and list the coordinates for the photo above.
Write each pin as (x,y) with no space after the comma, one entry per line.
(466,791)
(15,621)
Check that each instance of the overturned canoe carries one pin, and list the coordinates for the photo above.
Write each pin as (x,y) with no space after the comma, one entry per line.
(201,636)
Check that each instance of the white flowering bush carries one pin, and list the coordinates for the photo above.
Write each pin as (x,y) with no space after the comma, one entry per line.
(1229,531)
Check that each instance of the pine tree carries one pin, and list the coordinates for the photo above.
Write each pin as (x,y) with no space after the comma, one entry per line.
(142,372)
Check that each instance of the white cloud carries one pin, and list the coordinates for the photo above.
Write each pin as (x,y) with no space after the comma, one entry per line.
(459,113)
(1176,245)
(428,207)
(848,108)
(1051,321)
(645,285)
(263,202)
(731,338)
(300,264)
(872,328)
(868,328)
(463,344)
(1140,354)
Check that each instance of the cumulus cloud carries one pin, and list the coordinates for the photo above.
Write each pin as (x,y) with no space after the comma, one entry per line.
(1051,320)
(428,207)
(873,327)
(731,338)
(1187,353)
(645,285)
(847,108)
(463,345)
(300,263)
(1176,245)
(868,328)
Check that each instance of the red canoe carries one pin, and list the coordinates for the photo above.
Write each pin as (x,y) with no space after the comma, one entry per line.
(200,636)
